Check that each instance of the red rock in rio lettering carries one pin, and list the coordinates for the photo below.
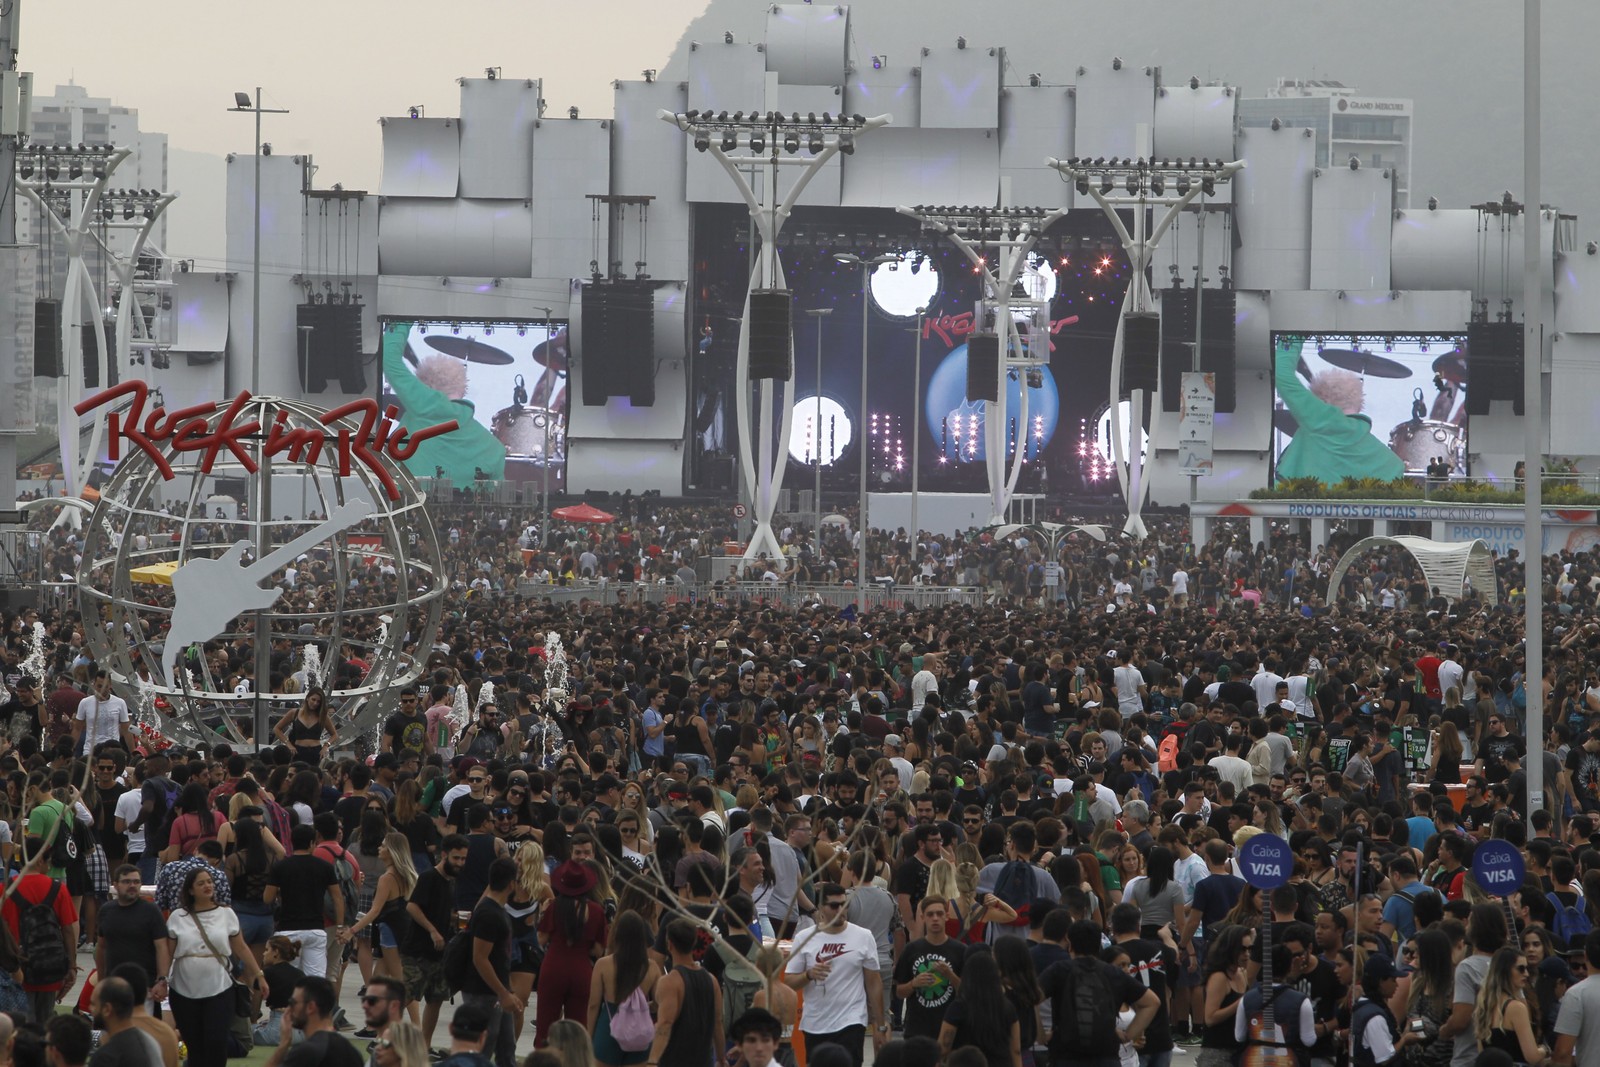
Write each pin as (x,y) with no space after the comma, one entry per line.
(190,430)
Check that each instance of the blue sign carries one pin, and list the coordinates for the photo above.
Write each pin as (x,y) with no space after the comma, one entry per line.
(1266,861)
(1498,867)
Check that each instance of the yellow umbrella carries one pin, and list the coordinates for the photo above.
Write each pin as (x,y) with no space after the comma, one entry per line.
(154,573)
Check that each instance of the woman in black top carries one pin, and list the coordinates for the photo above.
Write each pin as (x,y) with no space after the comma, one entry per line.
(281,975)
(309,728)
(1224,983)
(981,1015)
(248,867)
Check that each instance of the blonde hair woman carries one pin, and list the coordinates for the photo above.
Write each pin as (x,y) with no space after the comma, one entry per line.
(958,885)
(388,909)
(529,894)
(777,997)
(1503,1018)
(570,1042)
(401,1046)
(633,800)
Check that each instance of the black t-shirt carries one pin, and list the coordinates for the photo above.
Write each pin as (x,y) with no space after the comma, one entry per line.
(350,809)
(409,729)
(1125,989)
(996,1049)
(325,1048)
(1154,965)
(489,923)
(281,978)
(130,932)
(115,844)
(1585,768)
(434,896)
(302,881)
(911,878)
(925,1007)
(1326,996)
(1496,750)
(130,1048)
(1476,816)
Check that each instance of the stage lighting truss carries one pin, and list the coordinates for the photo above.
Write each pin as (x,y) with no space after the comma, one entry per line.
(124,206)
(984,225)
(771,134)
(74,166)
(1162,181)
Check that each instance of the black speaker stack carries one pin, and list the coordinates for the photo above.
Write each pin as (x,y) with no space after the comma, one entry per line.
(1494,365)
(332,348)
(1216,347)
(771,334)
(1141,351)
(618,354)
(983,366)
(47,338)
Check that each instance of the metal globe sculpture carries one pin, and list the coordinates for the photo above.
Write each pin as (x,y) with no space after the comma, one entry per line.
(267,518)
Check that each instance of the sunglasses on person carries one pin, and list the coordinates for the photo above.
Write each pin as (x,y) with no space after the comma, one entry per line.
(476,779)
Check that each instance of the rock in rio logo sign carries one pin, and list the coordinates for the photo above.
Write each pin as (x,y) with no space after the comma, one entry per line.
(191,429)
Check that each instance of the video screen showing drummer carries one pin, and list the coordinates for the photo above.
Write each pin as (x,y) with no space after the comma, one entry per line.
(505,384)
(1369,408)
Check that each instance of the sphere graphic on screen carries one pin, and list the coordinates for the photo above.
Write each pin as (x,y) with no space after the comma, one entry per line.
(901,287)
(1102,432)
(837,430)
(956,423)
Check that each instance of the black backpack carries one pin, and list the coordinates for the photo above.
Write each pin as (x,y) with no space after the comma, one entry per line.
(1084,1014)
(1015,886)
(64,850)
(44,953)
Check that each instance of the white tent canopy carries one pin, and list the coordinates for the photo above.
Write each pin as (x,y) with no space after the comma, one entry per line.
(1446,565)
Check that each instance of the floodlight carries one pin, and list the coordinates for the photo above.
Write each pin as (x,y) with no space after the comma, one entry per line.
(847,144)
(791,142)
(242,101)
(815,143)
(758,142)
(702,140)
(730,140)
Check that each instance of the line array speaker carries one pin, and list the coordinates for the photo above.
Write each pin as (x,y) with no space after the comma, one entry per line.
(619,347)
(47,338)
(1494,365)
(331,349)
(1216,348)
(771,334)
(92,339)
(1141,351)
(983,366)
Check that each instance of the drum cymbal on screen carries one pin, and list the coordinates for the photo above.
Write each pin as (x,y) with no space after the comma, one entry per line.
(1368,363)
(470,349)
(1452,367)
(552,353)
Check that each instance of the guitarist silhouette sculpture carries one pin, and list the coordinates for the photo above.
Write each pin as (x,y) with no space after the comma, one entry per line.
(207,593)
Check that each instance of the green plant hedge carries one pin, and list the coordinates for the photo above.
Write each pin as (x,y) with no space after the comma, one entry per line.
(1556,492)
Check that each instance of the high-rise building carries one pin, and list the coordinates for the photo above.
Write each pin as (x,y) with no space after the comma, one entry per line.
(1376,130)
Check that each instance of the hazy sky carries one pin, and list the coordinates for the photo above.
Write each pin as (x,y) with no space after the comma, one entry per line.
(339,65)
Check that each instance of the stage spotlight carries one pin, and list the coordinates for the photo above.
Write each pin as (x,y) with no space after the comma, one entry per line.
(815,143)
(791,142)
(1107,183)
(877,62)
(722,116)
(730,140)
(961,42)
(1158,184)
(1116,62)
(149,211)
(75,169)
(1183,185)
(416,112)
(847,144)
(127,209)
(1208,185)
(1194,82)
(1132,184)
(758,142)
(702,140)
(572,112)
(1083,185)
(25,168)
(1355,163)
(727,36)
(52,170)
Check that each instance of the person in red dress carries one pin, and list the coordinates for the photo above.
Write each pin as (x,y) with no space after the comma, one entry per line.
(573,933)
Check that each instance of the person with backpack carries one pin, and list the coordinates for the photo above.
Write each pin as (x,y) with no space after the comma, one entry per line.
(619,993)
(301,881)
(40,915)
(1571,918)
(1085,994)
(1017,882)
(478,960)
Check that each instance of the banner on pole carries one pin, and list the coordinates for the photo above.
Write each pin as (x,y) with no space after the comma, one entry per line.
(1195,422)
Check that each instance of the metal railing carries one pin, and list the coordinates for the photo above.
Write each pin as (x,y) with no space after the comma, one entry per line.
(775,594)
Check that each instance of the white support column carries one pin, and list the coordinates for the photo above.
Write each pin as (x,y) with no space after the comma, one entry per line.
(763,471)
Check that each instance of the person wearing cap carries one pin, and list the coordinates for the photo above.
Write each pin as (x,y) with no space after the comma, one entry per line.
(1377,1037)
(469,1025)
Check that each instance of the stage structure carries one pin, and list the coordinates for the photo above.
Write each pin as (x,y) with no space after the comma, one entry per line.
(66,185)
(773,141)
(1446,565)
(1145,183)
(1017,320)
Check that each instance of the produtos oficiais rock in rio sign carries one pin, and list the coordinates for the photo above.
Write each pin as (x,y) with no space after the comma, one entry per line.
(226,525)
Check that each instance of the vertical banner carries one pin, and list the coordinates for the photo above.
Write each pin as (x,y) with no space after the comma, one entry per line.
(1417,740)
(18,289)
(1195,420)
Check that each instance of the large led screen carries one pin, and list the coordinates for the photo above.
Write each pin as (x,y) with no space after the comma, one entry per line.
(1368,407)
(506,384)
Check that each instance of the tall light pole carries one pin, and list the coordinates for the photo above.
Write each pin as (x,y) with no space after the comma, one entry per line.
(241,102)
(544,496)
(916,430)
(1533,441)
(867,267)
(818,315)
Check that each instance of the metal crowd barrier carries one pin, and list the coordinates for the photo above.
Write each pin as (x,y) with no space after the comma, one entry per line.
(776,594)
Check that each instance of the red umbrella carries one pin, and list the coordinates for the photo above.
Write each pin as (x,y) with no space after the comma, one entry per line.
(582,513)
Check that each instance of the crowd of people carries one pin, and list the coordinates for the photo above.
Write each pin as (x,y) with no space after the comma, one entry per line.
(719,831)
